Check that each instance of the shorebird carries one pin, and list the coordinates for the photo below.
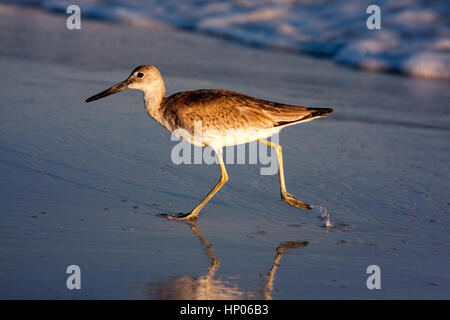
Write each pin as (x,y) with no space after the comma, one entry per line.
(226,118)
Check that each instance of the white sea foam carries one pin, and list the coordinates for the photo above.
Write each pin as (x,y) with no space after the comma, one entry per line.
(414,38)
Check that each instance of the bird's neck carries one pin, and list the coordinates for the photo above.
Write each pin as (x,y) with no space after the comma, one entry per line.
(153,96)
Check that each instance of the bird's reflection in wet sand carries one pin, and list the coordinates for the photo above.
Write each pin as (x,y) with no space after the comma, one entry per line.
(206,287)
(281,250)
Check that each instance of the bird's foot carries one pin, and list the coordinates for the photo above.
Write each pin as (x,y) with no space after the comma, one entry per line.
(190,216)
(291,200)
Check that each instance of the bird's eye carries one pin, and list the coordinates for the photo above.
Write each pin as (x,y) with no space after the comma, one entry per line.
(140,75)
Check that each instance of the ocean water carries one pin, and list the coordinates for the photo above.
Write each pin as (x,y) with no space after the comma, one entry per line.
(414,38)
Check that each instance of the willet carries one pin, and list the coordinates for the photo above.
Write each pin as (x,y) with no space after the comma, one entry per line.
(226,118)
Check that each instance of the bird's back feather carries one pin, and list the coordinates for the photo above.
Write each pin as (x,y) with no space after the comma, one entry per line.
(226,110)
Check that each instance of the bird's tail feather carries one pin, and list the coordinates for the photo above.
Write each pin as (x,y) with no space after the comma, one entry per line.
(310,114)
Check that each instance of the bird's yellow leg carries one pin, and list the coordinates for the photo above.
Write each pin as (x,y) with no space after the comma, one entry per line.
(285,196)
(194,213)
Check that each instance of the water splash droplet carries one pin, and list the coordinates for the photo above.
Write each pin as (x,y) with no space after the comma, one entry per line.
(325,215)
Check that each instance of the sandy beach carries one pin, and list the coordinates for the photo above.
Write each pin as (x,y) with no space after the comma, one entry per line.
(83,184)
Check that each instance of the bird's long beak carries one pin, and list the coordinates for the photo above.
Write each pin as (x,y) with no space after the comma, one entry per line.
(114,89)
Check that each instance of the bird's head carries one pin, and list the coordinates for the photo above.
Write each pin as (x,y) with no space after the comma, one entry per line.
(145,78)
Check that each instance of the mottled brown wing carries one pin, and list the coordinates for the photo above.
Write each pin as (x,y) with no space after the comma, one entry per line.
(224,110)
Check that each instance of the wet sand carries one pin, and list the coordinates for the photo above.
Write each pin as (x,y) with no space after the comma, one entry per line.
(84,183)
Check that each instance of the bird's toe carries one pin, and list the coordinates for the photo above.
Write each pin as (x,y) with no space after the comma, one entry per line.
(291,200)
(181,216)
